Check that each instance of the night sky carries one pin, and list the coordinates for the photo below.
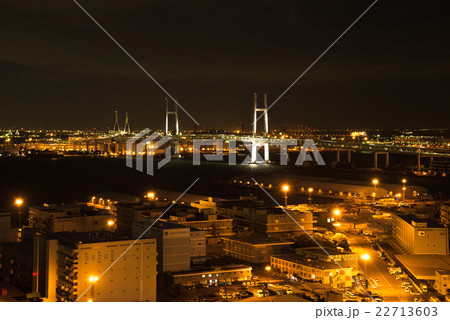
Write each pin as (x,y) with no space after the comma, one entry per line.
(59,70)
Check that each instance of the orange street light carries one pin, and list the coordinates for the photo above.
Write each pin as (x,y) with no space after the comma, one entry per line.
(337,213)
(404,188)
(268,268)
(19,202)
(375,182)
(310,190)
(365,257)
(110,223)
(151,195)
(285,188)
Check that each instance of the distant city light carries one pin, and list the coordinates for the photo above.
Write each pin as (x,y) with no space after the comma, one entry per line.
(18,202)
(110,223)
(151,195)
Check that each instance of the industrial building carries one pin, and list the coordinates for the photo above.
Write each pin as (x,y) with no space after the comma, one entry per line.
(211,276)
(442,282)
(50,218)
(255,250)
(216,226)
(250,214)
(419,236)
(327,273)
(346,259)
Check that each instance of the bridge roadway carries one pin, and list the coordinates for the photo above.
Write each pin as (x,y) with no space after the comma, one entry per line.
(327,145)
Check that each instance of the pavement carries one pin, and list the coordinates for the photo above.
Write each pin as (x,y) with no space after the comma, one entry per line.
(388,287)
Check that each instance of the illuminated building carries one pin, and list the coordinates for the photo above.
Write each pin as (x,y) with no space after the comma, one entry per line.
(419,236)
(250,214)
(442,282)
(77,263)
(346,259)
(212,276)
(51,218)
(216,226)
(327,273)
(255,249)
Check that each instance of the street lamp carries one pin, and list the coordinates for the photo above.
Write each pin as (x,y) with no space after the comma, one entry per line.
(151,195)
(375,182)
(268,268)
(310,190)
(337,213)
(19,202)
(110,223)
(286,190)
(404,188)
(93,280)
(365,257)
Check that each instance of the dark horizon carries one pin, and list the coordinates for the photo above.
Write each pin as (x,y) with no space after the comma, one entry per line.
(389,71)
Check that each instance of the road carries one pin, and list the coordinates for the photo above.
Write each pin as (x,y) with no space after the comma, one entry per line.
(388,286)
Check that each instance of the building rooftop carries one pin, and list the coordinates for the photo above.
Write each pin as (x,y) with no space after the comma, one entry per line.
(308,262)
(211,270)
(117,197)
(424,266)
(331,251)
(430,223)
(51,207)
(167,225)
(73,238)
(73,210)
(443,272)
(259,240)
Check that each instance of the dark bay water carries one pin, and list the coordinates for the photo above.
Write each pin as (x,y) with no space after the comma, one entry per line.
(75,178)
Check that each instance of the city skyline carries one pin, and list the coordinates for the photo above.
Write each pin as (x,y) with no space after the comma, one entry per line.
(225,151)
(382,74)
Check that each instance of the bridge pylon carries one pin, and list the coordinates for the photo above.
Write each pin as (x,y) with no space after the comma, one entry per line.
(255,115)
(126,127)
(175,113)
(116,123)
